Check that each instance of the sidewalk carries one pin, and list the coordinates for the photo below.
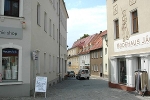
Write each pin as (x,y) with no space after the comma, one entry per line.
(98,77)
(106,79)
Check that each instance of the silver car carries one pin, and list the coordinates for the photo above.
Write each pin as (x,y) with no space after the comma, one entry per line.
(83,74)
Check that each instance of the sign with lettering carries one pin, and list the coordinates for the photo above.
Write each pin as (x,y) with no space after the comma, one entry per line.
(40,84)
(135,42)
(10,51)
(10,32)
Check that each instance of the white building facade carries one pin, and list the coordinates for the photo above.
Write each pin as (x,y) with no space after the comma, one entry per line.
(128,41)
(105,56)
(30,34)
(84,61)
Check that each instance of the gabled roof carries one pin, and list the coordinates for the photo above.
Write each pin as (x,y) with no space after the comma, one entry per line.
(87,43)
(79,43)
(95,40)
(98,42)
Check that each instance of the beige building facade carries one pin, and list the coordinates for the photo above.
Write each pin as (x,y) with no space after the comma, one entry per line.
(128,41)
(73,59)
(29,44)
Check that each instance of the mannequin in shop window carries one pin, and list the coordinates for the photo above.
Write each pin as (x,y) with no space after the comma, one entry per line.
(123,73)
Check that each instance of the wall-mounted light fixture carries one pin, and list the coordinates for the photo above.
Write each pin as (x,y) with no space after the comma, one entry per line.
(23,24)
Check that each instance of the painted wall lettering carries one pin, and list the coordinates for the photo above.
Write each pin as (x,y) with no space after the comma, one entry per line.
(10,32)
(135,42)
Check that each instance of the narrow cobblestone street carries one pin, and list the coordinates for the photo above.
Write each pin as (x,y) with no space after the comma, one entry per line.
(93,89)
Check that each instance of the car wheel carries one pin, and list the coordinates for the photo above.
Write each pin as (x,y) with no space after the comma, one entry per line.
(88,78)
(79,78)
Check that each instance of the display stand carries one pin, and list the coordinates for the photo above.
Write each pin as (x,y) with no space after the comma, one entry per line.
(141,82)
(40,85)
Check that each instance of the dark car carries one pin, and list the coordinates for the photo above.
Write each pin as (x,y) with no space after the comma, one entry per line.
(70,73)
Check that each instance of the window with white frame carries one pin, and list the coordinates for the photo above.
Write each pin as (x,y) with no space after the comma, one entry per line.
(57,35)
(97,54)
(57,64)
(53,31)
(105,67)
(50,27)
(94,67)
(94,54)
(54,4)
(45,21)
(105,51)
(11,8)
(44,63)
(101,53)
(53,64)
(50,69)
(57,8)
(97,67)
(38,14)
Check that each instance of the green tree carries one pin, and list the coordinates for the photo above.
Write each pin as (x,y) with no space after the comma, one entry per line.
(84,36)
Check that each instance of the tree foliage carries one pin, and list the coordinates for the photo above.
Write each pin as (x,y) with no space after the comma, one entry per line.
(84,36)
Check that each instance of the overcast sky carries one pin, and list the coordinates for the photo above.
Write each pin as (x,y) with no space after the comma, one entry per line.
(85,17)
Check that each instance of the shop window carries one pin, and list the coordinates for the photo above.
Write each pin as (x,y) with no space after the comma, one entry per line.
(122,70)
(134,21)
(10,64)
(11,8)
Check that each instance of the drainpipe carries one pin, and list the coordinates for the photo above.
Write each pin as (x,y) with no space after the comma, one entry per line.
(59,41)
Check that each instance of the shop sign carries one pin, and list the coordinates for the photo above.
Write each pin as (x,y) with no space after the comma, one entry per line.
(10,51)
(135,42)
(10,32)
(34,55)
(40,84)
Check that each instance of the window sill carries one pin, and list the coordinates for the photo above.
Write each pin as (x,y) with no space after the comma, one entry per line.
(10,17)
(11,83)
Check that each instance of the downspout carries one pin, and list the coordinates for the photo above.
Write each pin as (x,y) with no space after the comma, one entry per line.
(59,42)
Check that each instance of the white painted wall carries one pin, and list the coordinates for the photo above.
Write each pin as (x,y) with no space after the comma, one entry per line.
(36,39)
(84,58)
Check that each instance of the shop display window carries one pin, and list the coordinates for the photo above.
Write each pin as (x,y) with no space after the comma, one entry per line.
(9,64)
(122,71)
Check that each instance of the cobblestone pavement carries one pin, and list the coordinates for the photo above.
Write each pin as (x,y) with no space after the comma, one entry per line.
(95,88)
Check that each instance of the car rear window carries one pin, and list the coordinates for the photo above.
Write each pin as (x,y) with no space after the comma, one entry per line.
(86,71)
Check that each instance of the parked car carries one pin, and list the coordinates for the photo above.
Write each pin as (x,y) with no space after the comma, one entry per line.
(70,73)
(83,74)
